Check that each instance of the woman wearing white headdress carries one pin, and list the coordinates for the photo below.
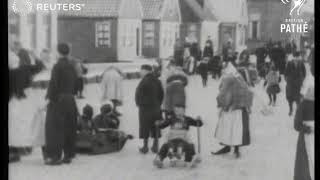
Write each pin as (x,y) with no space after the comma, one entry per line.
(234,103)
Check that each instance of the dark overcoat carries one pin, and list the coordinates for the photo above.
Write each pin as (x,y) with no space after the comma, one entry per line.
(61,118)
(149,97)
(294,75)
(305,112)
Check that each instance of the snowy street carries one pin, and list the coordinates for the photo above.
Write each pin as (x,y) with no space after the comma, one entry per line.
(270,156)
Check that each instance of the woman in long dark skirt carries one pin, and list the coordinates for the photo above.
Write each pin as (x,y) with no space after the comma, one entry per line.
(62,111)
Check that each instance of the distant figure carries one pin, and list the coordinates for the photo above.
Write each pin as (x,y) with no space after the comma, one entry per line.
(80,70)
(272,83)
(203,71)
(112,87)
(178,53)
(226,49)
(294,74)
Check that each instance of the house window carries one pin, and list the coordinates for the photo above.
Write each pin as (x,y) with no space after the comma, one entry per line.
(103,31)
(192,33)
(254,30)
(13,24)
(47,30)
(149,35)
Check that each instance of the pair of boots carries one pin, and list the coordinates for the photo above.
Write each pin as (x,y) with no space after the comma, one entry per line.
(145,148)
(227,149)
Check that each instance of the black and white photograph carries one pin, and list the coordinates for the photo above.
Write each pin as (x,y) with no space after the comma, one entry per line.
(161,89)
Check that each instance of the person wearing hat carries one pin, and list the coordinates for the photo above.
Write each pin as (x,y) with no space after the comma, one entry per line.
(294,75)
(148,98)
(304,124)
(61,118)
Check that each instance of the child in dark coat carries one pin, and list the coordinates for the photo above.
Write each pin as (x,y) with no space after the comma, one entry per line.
(106,119)
(105,136)
(85,123)
(178,138)
(272,83)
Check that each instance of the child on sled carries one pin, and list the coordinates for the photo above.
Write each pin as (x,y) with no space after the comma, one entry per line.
(100,135)
(178,138)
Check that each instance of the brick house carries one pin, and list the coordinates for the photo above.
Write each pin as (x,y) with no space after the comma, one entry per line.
(198,22)
(160,27)
(104,30)
(35,31)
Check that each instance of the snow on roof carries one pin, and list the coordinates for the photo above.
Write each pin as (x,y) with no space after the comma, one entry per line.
(152,8)
(94,8)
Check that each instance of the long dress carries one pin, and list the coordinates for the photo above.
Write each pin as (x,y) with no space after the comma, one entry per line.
(304,163)
(111,85)
(20,115)
(234,100)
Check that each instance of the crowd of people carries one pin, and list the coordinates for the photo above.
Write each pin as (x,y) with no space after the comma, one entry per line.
(161,100)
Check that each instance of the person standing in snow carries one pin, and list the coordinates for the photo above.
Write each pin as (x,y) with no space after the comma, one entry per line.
(111,85)
(80,70)
(234,102)
(294,74)
(203,71)
(148,98)
(62,112)
(22,68)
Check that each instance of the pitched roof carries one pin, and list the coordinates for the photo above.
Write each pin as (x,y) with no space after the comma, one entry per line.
(202,13)
(152,8)
(94,8)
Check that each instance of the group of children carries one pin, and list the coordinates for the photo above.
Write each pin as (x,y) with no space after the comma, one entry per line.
(100,134)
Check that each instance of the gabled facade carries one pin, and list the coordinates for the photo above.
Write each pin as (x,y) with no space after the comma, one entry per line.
(233,22)
(35,31)
(104,30)
(198,22)
(161,21)
(265,18)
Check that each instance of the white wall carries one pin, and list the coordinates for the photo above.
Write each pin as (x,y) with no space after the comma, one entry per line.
(167,32)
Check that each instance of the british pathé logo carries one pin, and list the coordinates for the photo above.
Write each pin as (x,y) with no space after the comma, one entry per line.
(22,7)
(294,25)
(297,5)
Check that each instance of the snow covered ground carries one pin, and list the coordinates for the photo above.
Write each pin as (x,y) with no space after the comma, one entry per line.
(269,157)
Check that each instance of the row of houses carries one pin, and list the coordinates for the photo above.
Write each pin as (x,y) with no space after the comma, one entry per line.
(111,30)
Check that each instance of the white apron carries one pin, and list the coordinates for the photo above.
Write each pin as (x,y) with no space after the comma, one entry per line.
(229,129)
(20,117)
(309,141)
